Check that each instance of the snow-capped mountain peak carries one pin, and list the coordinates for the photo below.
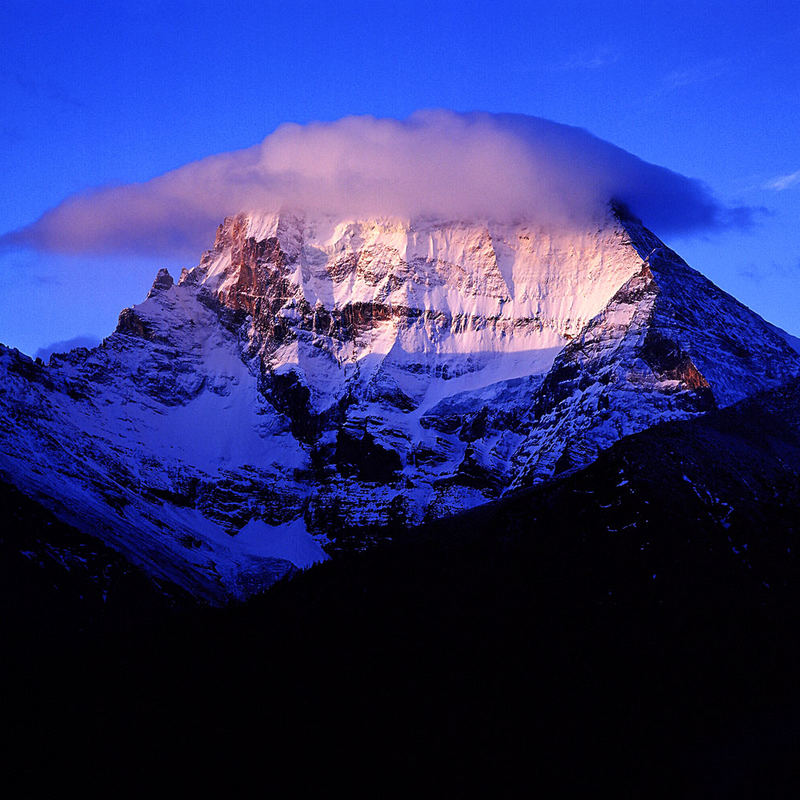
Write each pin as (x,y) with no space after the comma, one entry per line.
(315,379)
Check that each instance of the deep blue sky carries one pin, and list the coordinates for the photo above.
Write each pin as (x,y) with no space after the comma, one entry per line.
(96,93)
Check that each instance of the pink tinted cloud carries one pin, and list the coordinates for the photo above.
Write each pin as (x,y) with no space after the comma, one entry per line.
(439,163)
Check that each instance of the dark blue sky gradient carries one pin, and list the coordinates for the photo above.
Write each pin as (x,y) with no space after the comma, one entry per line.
(98,94)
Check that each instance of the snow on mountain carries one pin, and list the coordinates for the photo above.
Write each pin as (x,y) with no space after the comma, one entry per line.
(314,378)
(792,341)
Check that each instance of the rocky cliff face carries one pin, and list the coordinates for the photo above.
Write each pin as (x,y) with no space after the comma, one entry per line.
(314,381)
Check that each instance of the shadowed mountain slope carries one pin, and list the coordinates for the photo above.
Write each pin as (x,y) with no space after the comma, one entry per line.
(631,626)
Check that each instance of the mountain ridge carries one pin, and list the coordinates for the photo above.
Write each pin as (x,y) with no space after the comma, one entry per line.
(311,378)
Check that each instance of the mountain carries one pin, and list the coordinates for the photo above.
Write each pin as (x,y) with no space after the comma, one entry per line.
(632,624)
(314,385)
(59,583)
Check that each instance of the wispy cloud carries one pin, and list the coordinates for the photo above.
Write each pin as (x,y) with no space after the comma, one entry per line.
(783,181)
(88,340)
(478,165)
(693,74)
(589,59)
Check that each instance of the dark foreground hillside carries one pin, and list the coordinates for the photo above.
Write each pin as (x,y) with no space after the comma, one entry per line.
(633,627)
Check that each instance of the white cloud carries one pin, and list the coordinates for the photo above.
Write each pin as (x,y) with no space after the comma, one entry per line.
(698,73)
(433,163)
(783,181)
(590,60)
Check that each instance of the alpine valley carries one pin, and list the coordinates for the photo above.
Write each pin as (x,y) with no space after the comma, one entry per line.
(315,385)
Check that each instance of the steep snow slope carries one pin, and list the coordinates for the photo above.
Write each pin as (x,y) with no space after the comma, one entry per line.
(314,377)
(150,442)
(669,345)
(792,341)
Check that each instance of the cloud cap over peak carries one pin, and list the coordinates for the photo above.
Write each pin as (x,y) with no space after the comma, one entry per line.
(440,163)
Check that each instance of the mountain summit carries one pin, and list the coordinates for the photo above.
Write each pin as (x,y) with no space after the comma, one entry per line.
(314,381)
